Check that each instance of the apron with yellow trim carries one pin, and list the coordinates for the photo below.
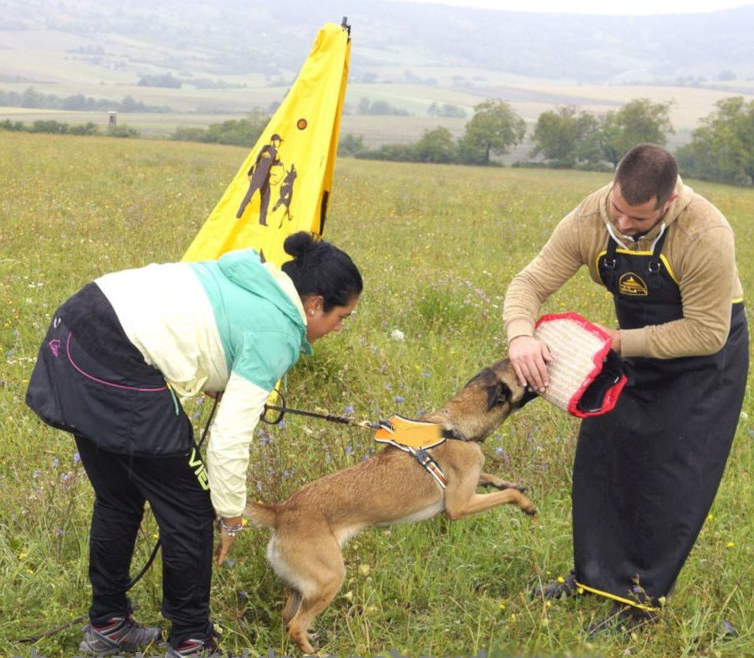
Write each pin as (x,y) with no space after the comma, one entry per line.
(645,474)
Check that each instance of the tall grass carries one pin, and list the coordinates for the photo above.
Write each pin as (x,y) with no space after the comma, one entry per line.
(437,246)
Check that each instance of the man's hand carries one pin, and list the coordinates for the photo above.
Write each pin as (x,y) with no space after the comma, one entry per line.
(529,357)
(614,335)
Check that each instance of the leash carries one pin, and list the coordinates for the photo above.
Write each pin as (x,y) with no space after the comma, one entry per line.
(343,420)
(52,631)
(385,429)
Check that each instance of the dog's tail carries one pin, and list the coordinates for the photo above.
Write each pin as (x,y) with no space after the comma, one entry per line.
(261,514)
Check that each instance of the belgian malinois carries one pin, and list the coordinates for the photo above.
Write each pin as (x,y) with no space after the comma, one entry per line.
(310,527)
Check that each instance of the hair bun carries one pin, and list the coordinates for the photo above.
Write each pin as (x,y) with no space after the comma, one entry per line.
(298,244)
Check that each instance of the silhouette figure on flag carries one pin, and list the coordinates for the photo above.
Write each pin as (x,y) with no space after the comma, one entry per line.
(286,195)
(259,178)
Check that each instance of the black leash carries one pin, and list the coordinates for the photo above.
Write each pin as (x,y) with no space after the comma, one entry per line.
(343,420)
(142,571)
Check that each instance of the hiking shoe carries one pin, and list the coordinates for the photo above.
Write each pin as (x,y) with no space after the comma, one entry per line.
(204,647)
(557,589)
(117,635)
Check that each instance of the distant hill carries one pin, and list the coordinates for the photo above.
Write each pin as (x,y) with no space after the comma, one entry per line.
(235,36)
(407,54)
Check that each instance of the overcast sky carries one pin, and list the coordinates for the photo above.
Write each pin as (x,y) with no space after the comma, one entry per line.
(597,6)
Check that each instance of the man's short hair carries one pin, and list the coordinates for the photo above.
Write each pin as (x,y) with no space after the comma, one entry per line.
(647,171)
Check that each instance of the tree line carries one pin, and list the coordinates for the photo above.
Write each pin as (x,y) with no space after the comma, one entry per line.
(33,99)
(721,148)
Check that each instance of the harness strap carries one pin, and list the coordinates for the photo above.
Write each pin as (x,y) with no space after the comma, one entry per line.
(424,459)
(430,465)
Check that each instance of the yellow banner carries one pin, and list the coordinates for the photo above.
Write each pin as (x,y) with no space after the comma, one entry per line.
(284,184)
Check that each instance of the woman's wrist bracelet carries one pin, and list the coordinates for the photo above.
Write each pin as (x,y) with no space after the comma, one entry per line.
(232,530)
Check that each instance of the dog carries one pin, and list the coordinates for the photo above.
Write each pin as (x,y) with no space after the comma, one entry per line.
(311,526)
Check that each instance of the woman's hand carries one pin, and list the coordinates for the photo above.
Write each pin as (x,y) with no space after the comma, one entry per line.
(229,528)
(529,357)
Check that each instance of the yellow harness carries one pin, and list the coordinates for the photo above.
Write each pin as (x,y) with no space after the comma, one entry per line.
(415,437)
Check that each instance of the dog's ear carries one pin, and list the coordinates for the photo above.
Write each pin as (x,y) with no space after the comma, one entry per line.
(497,394)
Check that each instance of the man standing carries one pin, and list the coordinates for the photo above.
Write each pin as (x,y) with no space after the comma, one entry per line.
(645,474)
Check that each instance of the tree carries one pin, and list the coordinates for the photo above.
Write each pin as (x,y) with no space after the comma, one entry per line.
(446,110)
(436,146)
(493,129)
(351,145)
(567,137)
(723,147)
(637,121)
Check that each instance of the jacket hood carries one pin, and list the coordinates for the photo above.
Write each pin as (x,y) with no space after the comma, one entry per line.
(676,207)
(245,268)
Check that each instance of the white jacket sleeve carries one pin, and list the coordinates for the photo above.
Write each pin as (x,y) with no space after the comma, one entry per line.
(239,411)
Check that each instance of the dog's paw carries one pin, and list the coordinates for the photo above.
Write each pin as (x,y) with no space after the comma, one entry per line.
(530,509)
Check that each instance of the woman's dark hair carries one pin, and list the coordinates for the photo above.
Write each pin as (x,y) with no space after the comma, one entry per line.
(320,268)
(647,171)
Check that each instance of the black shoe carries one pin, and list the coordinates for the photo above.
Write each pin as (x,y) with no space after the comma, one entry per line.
(557,589)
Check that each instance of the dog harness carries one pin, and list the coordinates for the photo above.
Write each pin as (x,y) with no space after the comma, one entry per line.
(416,437)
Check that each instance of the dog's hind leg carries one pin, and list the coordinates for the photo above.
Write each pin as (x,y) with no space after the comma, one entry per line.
(323,573)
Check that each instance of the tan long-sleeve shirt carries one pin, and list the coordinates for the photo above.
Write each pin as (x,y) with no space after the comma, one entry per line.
(700,250)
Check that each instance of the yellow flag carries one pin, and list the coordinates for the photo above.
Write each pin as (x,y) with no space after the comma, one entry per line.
(284,184)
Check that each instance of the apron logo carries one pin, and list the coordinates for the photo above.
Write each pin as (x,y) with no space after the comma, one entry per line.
(632,284)
(196,463)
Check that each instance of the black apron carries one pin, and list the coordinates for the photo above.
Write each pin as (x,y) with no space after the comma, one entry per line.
(645,474)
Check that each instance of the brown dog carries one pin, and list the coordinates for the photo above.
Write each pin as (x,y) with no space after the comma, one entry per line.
(310,527)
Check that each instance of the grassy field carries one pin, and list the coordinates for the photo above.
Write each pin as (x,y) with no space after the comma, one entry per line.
(437,247)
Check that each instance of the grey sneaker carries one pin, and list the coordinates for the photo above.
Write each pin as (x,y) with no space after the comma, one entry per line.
(117,635)
(204,647)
